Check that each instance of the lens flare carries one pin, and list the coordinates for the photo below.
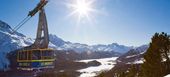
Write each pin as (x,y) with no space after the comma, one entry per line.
(82,8)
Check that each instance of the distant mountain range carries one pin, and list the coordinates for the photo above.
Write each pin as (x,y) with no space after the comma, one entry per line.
(63,45)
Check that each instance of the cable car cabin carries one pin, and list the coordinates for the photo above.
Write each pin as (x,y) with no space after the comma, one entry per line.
(35,59)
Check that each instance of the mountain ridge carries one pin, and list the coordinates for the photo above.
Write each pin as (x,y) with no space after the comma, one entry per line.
(66,45)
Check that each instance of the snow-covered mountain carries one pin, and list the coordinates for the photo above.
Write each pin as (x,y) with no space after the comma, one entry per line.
(133,56)
(63,45)
(10,41)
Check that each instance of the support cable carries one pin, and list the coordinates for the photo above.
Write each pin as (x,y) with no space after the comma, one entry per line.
(16,27)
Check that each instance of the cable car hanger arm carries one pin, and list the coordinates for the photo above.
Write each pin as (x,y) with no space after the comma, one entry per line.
(38,7)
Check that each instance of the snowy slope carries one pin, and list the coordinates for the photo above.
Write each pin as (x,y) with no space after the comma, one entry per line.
(167,75)
(134,56)
(10,41)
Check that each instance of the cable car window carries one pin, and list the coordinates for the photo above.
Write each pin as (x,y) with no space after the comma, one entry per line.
(19,55)
(36,55)
(48,54)
(29,55)
(22,55)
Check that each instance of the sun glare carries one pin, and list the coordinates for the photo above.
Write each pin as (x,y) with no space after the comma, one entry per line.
(82,8)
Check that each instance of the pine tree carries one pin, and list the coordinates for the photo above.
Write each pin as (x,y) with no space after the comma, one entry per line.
(132,71)
(165,49)
(102,74)
(152,66)
(122,74)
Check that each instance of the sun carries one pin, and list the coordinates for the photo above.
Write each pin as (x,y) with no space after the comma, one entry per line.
(82,8)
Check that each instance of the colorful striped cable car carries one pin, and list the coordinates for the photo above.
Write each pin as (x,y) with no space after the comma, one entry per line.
(35,59)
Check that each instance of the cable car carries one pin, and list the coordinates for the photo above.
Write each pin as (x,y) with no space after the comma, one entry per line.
(37,55)
(35,59)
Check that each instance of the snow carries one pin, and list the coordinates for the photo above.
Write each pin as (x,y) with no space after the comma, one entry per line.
(164,59)
(131,56)
(167,75)
(139,61)
(106,64)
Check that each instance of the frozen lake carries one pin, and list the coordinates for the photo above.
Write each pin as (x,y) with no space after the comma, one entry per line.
(106,64)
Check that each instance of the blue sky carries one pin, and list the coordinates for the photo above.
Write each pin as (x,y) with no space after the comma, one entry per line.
(127,22)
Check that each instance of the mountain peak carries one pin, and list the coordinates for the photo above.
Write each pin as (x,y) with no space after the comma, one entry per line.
(56,40)
(114,44)
(4,25)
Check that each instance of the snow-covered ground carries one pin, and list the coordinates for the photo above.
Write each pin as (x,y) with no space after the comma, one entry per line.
(140,61)
(106,64)
(167,75)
